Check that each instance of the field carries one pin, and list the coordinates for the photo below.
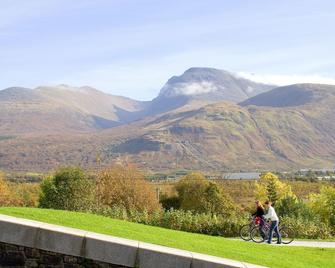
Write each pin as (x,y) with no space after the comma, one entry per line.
(268,255)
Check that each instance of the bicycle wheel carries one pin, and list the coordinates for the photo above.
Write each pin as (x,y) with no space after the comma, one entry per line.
(256,235)
(245,232)
(287,235)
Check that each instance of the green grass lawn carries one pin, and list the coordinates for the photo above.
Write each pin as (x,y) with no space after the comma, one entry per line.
(268,255)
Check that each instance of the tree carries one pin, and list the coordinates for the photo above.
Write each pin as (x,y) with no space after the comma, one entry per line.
(198,194)
(125,186)
(69,188)
(25,194)
(269,187)
(323,204)
(5,196)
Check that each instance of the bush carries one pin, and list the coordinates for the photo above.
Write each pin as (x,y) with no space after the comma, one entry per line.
(323,205)
(126,187)
(69,188)
(309,229)
(200,195)
(5,195)
(216,225)
(25,194)
(170,202)
(290,206)
(203,223)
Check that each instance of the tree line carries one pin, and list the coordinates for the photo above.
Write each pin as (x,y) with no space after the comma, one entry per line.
(197,204)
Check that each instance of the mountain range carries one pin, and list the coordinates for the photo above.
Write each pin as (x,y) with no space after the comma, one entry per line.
(206,119)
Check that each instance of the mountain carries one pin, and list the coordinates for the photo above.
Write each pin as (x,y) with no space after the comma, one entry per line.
(275,132)
(211,84)
(65,108)
(61,109)
(200,86)
(293,95)
(291,127)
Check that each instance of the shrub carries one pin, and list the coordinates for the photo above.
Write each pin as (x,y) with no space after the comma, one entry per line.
(311,229)
(69,188)
(5,195)
(216,225)
(126,187)
(204,223)
(25,194)
(323,204)
(200,195)
(170,202)
(290,206)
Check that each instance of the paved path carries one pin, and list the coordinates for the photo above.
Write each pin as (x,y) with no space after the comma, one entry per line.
(314,244)
(303,243)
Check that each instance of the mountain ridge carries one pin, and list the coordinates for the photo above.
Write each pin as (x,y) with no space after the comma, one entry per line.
(283,128)
(291,95)
(89,109)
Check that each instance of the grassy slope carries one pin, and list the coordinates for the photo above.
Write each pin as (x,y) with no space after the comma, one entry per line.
(268,255)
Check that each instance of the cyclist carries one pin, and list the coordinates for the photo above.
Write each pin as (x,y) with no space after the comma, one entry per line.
(259,214)
(272,216)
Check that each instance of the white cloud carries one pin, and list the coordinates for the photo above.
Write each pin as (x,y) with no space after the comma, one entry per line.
(283,80)
(188,89)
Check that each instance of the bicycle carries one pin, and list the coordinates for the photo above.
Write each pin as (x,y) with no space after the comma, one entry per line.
(246,229)
(287,234)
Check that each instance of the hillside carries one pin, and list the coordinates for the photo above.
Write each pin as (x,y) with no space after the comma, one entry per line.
(61,109)
(226,135)
(66,108)
(217,246)
(194,123)
(220,136)
(293,95)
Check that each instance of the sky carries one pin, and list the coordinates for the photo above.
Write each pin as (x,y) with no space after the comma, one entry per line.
(132,47)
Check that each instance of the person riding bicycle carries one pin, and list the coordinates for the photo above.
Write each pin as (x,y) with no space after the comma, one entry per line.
(272,216)
(259,214)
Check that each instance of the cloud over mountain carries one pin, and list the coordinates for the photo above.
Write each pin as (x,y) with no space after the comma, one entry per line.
(284,80)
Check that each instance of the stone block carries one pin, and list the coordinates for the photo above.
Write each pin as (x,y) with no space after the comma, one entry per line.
(153,256)
(206,261)
(18,231)
(110,249)
(60,239)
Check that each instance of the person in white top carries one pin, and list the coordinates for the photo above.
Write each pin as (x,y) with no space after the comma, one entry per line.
(272,216)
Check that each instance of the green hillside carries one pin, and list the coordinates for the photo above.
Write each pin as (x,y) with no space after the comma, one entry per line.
(268,255)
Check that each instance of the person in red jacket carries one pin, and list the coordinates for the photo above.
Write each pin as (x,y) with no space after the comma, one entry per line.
(259,214)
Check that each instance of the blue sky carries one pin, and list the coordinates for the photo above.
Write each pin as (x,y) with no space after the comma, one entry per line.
(132,47)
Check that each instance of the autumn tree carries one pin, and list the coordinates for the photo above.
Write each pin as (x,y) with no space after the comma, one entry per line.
(323,204)
(69,188)
(125,186)
(198,194)
(25,194)
(5,196)
(269,187)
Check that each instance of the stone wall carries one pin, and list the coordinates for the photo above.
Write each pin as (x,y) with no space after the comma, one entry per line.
(26,243)
(19,256)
